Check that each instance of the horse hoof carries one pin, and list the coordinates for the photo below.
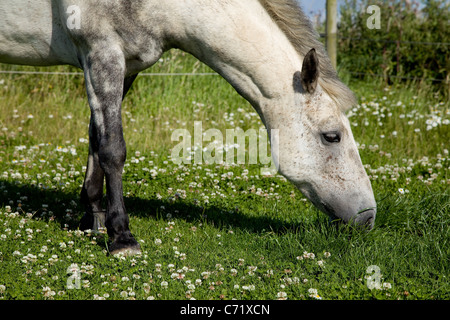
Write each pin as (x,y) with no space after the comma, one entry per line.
(126,246)
(87,222)
(127,252)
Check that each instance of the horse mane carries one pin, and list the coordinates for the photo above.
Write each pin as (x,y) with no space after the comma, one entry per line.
(290,18)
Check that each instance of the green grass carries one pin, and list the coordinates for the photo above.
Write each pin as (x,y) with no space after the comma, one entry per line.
(206,233)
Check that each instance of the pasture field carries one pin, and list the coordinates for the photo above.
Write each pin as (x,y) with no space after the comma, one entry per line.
(216,231)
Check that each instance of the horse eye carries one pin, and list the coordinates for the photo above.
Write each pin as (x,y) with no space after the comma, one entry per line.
(331,137)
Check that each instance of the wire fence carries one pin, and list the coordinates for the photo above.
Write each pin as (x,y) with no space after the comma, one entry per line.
(148,74)
(322,35)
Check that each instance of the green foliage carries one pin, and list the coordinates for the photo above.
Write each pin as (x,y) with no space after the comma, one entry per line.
(412,42)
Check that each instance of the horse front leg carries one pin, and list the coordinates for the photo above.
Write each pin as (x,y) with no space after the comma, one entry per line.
(105,87)
(92,190)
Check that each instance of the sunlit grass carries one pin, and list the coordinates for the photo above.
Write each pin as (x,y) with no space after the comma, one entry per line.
(216,231)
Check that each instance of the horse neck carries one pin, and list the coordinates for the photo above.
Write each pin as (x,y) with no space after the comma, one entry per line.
(240,41)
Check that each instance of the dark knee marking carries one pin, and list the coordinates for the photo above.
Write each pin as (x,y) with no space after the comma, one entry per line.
(112,153)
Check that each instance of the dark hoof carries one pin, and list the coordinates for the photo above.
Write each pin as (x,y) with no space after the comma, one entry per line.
(125,245)
(87,222)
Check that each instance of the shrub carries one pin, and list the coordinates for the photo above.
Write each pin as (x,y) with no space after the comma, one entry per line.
(412,42)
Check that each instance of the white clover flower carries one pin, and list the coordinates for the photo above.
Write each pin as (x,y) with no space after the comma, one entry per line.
(313,293)
(73,268)
(282,295)
(191,286)
(48,293)
(250,287)
(386,285)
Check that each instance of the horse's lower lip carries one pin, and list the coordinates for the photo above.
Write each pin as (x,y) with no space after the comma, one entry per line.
(364,219)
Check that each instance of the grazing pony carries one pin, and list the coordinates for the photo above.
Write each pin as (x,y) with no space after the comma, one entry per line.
(266,49)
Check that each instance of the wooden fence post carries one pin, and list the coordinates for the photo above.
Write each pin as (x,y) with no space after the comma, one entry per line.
(331,32)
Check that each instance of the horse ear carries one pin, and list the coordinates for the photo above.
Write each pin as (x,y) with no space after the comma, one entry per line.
(310,71)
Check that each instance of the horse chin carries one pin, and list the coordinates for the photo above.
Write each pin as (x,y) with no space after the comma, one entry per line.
(339,211)
(364,219)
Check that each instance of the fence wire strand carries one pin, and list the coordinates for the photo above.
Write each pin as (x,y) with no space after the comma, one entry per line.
(322,35)
(81,73)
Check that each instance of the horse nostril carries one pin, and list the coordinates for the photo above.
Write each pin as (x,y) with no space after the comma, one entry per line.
(366,218)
